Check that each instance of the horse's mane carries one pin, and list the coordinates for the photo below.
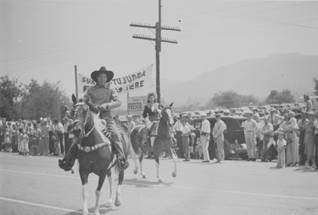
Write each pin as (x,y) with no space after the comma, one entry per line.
(99,124)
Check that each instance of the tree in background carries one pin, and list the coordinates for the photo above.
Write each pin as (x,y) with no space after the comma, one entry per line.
(45,100)
(230,99)
(31,101)
(276,97)
(316,86)
(10,94)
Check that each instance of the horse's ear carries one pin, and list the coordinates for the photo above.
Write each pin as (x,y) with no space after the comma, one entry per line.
(171,104)
(74,99)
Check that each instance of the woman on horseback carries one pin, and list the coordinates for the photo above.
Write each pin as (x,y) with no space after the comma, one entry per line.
(151,115)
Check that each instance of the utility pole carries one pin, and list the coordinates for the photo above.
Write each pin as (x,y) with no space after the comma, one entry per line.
(158,40)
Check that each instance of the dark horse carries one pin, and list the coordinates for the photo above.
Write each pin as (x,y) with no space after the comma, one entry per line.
(163,142)
(95,153)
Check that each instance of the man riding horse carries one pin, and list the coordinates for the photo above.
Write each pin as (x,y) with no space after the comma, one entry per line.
(101,99)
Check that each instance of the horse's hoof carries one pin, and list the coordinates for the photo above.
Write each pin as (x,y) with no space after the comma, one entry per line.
(160,180)
(117,201)
(143,176)
(135,172)
(174,174)
(109,203)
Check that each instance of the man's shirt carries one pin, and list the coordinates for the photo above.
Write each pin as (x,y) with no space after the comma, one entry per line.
(206,126)
(218,129)
(100,96)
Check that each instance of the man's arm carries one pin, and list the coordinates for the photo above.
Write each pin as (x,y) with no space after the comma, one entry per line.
(87,100)
(114,101)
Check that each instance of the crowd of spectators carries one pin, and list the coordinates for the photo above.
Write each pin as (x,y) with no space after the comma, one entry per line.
(29,137)
(288,133)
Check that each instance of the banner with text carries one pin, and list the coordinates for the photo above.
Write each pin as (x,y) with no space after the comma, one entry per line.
(141,80)
(135,104)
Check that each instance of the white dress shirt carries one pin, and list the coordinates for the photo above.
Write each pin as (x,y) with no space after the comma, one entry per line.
(206,127)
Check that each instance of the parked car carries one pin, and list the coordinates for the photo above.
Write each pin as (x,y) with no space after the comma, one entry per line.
(233,135)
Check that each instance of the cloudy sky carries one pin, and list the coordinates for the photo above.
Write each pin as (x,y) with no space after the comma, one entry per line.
(43,39)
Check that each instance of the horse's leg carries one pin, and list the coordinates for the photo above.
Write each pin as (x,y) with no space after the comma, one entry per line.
(84,178)
(174,160)
(157,168)
(156,152)
(101,180)
(109,201)
(143,175)
(135,158)
(118,191)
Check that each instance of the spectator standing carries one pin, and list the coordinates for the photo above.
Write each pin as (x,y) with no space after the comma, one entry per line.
(250,129)
(309,140)
(259,135)
(308,103)
(2,131)
(20,140)
(290,127)
(56,143)
(205,138)
(316,139)
(8,138)
(218,136)
(14,138)
(51,132)
(25,143)
(267,132)
(59,129)
(281,150)
(177,127)
(44,137)
(302,125)
(293,140)
(185,136)
(275,119)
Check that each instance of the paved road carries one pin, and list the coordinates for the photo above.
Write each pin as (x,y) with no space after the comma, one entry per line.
(35,185)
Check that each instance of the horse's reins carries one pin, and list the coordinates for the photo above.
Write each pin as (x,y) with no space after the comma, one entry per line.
(89,148)
(85,122)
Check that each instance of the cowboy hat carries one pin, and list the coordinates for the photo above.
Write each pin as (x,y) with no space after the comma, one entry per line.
(102,70)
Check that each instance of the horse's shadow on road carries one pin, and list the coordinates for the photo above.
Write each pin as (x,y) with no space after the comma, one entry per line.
(145,183)
(103,210)
(305,169)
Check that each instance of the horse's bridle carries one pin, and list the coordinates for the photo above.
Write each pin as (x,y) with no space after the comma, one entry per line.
(83,134)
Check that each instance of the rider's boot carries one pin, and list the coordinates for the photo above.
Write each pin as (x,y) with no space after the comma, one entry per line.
(69,159)
(121,158)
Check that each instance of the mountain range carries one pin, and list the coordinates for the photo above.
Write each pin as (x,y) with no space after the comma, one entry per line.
(256,77)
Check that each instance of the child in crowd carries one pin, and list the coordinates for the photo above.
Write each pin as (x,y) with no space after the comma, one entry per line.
(281,150)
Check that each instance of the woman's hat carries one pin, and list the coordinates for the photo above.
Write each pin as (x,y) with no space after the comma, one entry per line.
(102,70)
